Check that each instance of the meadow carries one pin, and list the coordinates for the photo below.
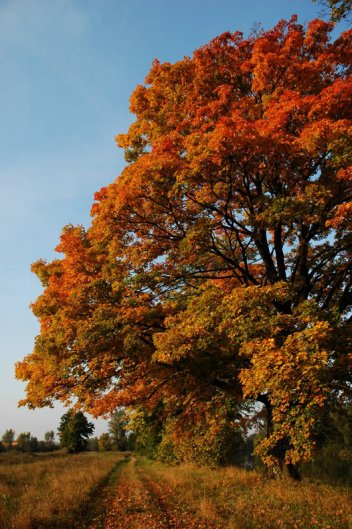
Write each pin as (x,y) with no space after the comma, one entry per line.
(50,490)
(124,491)
(235,498)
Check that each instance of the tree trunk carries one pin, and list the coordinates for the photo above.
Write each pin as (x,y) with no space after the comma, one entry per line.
(284,469)
(292,471)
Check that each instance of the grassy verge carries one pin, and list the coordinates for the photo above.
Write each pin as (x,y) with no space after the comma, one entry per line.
(50,491)
(86,490)
(232,498)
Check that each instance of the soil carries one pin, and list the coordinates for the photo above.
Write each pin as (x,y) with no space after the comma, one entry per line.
(137,501)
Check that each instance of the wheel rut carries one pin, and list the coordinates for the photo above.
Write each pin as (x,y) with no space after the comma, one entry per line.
(140,502)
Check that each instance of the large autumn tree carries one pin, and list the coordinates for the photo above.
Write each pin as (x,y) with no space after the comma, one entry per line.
(218,265)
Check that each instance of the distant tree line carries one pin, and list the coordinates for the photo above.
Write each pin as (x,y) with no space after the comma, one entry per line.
(74,434)
(119,436)
(26,442)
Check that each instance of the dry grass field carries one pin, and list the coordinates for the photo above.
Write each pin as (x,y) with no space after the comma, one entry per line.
(50,490)
(72,491)
(234,498)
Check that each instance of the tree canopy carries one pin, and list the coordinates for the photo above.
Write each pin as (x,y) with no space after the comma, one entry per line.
(26,442)
(218,265)
(118,429)
(74,431)
(8,438)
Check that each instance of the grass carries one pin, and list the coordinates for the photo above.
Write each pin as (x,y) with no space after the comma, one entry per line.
(233,498)
(52,490)
(58,491)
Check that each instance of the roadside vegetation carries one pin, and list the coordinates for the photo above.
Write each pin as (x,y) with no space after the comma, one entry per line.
(157,496)
(116,490)
(50,490)
(234,498)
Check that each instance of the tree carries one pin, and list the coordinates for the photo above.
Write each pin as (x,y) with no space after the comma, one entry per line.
(49,436)
(74,431)
(49,440)
(131,441)
(105,443)
(213,438)
(93,444)
(219,262)
(8,438)
(148,430)
(27,443)
(117,429)
(338,9)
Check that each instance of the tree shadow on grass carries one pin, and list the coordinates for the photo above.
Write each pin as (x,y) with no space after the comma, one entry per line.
(93,508)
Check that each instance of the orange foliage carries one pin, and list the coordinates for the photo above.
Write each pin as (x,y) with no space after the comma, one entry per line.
(219,262)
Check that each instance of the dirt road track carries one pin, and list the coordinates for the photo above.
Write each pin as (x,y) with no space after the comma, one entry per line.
(137,501)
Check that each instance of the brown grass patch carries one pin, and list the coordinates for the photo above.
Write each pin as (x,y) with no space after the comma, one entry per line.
(234,498)
(49,491)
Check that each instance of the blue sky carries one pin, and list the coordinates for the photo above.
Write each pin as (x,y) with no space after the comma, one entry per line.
(68,68)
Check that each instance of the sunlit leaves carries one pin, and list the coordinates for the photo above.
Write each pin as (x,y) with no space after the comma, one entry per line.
(219,262)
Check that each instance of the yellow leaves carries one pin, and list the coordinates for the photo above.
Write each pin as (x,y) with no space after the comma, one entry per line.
(293,365)
(291,371)
(138,103)
(342,217)
(322,135)
(189,333)
(188,284)
(22,370)
(289,367)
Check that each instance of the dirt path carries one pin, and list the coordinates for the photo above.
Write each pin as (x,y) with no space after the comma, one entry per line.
(139,502)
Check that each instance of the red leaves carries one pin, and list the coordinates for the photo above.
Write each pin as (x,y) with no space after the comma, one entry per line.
(232,214)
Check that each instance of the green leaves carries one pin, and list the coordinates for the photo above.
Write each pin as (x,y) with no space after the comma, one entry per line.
(217,265)
(74,431)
